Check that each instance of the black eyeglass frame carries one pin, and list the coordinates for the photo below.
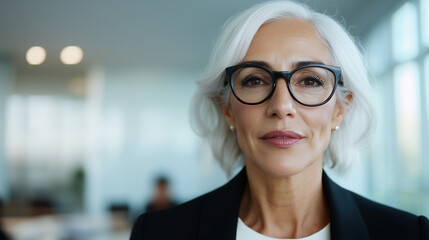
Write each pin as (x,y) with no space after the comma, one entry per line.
(286,75)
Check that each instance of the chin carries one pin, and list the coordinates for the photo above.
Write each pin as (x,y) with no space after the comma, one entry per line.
(284,166)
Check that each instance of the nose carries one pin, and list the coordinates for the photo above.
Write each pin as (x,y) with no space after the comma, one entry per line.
(281,104)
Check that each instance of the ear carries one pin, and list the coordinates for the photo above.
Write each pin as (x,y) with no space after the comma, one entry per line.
(227,112)
(340,111)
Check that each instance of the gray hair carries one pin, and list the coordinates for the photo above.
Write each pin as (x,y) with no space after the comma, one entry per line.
(207,117)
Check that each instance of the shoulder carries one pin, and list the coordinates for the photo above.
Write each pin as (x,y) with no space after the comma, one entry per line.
(354,215)
(381,220)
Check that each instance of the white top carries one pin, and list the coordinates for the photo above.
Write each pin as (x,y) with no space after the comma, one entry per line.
(246,233)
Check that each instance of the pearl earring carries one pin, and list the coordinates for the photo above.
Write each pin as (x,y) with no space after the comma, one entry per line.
(336,128)
(232,128)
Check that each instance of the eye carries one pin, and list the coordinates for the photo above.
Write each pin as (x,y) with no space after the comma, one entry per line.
(307,79)
(254,80)
(311,82)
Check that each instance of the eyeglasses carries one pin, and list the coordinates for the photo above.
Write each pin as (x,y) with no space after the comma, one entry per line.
(310,85)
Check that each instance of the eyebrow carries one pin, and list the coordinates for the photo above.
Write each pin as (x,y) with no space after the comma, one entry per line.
(304,63)
(261,63)
(294,65)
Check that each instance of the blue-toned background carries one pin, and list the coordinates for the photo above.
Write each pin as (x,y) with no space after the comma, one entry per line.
(78,142)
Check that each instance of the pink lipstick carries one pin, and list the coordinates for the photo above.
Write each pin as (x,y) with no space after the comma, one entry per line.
(282,139)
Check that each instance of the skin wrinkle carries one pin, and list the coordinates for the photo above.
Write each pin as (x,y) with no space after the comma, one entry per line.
(284,196)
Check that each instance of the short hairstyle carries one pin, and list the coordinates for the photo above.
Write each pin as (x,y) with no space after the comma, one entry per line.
(207,117)
(162,180)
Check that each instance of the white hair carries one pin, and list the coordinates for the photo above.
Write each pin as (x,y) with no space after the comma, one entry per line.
(206,111)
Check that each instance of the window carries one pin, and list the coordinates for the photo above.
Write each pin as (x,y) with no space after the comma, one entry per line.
(424,10)
(404,30)
(378,49)
(426,109)
(399,63)
(407,103)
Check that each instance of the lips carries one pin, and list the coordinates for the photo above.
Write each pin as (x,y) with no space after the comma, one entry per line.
(282,139)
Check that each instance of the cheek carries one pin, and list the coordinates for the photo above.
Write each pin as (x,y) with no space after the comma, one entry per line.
(321,117)
(318,121)
(247,120)
(246,116)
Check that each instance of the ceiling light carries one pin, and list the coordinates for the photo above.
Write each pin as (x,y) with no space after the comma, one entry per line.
(71,55)
(35,55)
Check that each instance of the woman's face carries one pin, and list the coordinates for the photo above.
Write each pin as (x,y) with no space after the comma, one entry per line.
(279,136)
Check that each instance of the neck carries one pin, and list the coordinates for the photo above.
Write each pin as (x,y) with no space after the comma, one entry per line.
(284,207)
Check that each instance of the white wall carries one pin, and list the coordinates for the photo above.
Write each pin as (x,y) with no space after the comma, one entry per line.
(144,131)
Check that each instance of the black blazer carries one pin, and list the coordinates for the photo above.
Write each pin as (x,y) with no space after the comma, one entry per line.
(215,215)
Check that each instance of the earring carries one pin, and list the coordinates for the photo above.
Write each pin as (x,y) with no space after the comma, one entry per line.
(336,128)
(232,128)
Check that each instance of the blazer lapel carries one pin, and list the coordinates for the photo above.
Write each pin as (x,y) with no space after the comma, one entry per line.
(220,211)
(346,219)
(219,215)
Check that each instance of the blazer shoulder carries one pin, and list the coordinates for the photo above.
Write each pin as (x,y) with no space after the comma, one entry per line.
(381,219)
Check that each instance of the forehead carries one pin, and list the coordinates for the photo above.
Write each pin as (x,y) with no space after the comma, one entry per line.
(285,41)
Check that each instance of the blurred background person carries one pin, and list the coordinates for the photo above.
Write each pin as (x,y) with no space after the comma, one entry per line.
(162,198)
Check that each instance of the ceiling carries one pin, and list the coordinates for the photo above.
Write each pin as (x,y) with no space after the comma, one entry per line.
(161,34)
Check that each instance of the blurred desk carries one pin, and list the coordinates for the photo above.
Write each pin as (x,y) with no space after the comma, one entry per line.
(70,227)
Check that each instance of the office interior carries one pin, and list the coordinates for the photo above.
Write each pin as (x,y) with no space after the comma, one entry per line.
(95,101)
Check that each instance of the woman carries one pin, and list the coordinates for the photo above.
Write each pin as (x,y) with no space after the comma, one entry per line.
(285,92)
